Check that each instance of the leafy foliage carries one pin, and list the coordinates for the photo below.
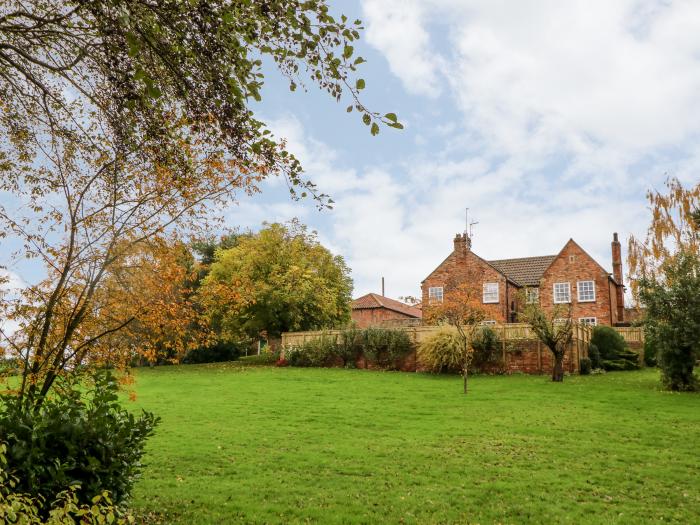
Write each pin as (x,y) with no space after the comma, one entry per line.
(381,346)
(215,353)
(442,352)
(385,347)
(585,366)
(672,325)
(73,439)
(278,280)
(485,346)
(613,350)
(21,508)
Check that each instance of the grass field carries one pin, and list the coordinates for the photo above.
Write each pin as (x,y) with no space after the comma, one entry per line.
(280,445)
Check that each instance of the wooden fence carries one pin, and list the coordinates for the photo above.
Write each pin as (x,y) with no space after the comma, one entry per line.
(418,334)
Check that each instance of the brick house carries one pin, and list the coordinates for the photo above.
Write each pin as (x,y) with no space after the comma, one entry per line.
(571,277)
(374,309)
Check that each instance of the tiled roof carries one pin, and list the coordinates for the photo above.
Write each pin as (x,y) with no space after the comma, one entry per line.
(373,300)
(525,271)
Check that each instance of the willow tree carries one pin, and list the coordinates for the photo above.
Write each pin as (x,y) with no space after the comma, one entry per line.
(127,120)
(665,277)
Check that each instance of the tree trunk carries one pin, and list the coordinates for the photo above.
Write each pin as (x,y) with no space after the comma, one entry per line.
(464,374)
(558,369)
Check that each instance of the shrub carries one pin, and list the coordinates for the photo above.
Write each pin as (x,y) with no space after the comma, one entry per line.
(65,509)
(614,352)
(216,353)
(264,359)
(594,355)
(349,346)
(585,366)
(650,358)
(441,352)
(485,347)
(385,347)
(75,438)
(315,352)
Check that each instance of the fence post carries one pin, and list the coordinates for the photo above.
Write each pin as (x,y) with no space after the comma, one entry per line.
(503,344)
(539,355)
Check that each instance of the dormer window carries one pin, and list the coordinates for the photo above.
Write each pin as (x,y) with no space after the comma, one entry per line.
(490,293)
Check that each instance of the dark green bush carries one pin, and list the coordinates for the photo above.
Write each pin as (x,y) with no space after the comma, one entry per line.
(75,437)
(594,355)
(586,366)
(385,347)
(349,346)
(315,352)
(485,347)
(650,358)
(264,359)
(614,352)
(215,353)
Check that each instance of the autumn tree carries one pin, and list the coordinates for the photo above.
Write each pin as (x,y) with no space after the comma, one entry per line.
(554,329)
(665,277)
(461,308)
(125,121)
(280,279)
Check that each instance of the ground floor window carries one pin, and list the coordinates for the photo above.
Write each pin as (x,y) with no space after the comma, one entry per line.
(591,321)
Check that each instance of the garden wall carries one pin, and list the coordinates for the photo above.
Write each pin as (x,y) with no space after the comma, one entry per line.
(521,351)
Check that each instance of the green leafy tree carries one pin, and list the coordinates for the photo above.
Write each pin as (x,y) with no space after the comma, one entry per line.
(665,277)
(280,279)
(672,324)
(134,65)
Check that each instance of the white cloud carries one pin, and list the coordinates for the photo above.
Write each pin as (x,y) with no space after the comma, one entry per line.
(395,27)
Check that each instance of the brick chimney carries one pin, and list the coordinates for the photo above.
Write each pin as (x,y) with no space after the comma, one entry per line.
(617,274)
(462,243)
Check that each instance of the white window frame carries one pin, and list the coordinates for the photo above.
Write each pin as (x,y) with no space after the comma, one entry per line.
(592,290)
(568,293)
(490,293)
(435,294)
(532,295)
(488,322)
(588,321)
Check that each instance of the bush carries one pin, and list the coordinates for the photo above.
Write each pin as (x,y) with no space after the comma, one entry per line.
(315,352)
(594,355)
(384,347)
(349,347)
(650,358)
(485,347)
(442,352)
(215,353)
(75,438)
(65,509)
(585,366)
(264,359)
(614,352)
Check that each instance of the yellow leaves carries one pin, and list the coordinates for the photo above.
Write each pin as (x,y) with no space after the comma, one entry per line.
(672,228)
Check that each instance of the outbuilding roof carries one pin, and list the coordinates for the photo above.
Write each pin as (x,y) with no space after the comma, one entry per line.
(373,300)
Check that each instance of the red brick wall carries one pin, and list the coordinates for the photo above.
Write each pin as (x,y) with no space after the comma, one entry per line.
(364,317)
(465,266)
(572,265)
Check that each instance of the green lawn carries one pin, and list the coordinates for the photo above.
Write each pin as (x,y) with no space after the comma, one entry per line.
(280,445)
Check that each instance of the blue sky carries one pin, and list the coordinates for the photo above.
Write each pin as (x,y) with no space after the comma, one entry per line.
(548,119)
